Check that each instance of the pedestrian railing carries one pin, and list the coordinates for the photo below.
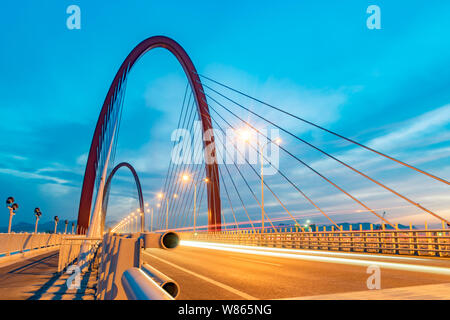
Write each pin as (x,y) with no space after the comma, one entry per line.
(13,243)
(70,248)
(403,242)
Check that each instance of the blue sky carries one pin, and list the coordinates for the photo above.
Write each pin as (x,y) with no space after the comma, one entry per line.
(389,88)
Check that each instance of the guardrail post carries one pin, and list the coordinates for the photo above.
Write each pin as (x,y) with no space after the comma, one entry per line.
(124,254)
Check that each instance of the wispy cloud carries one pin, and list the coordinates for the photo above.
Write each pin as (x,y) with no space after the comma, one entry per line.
(414,130)
(32,175)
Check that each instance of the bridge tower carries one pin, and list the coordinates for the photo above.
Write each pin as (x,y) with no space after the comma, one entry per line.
(102,142)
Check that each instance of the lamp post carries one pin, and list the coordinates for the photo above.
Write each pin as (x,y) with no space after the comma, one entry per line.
(149,210)
(161,196)
(187,178)
(12,210)
(66,222)
(56,223)
(146,210)
(73,226)
(132,222)
(245,136)
(137,216)
(151,220)
(37,213)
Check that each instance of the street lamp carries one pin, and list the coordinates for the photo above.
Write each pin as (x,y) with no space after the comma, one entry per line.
(187,178)
(56,222)
(141,214)
(12,210)
(66,222)
(161,196)
(132,222)
(73,226)
(245,136)
(37,213)
(151,218)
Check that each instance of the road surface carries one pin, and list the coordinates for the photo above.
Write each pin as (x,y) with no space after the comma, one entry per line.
(218,272)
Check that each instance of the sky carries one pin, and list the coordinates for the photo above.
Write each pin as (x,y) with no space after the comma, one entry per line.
(388,88)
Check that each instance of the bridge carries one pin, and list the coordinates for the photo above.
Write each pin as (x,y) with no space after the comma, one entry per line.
(235,217)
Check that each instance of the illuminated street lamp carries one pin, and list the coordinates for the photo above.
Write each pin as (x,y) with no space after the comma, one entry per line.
(147,210)
(56,222)
(186,178)
(151,218)
(37,213)
(245,136)
(12,210)
(141,214)
(132,220)
(161,196)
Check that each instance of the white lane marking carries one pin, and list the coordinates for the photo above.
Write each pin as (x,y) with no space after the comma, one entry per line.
(256,261)
(303,251)
(348,261)
(214,282)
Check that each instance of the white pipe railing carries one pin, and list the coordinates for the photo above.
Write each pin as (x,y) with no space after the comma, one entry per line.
(139,286)
(169,285)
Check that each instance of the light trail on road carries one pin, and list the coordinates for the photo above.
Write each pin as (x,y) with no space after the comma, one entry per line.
(297,254)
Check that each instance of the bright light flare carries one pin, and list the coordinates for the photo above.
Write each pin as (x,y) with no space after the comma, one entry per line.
(299,254)
(244,134)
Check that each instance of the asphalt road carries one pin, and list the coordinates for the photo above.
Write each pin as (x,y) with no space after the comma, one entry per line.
(223,273)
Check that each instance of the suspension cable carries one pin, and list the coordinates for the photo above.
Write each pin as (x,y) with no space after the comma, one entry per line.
(338,160)
(329,131)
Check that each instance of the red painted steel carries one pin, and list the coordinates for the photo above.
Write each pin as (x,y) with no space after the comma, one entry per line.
(212,173)
(138,187)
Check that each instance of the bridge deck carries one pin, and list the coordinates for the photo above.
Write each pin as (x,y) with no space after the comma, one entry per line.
(37,279)
(204,273)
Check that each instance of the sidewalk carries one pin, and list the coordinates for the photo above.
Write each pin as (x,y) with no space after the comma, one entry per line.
(426,292)
(37,279)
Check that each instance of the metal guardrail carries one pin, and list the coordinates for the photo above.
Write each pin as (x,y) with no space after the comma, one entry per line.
(11,243)
(120,274)
(139,286)
(70,248)
(403,242)
(166,283)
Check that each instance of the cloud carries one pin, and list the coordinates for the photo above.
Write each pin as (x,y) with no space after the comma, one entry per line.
(82,159)
(32,175)
(56,189)
(412,140)
(414,130)
(320,105)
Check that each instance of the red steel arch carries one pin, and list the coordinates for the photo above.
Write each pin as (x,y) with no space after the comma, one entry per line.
(212,173)
(138,187)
